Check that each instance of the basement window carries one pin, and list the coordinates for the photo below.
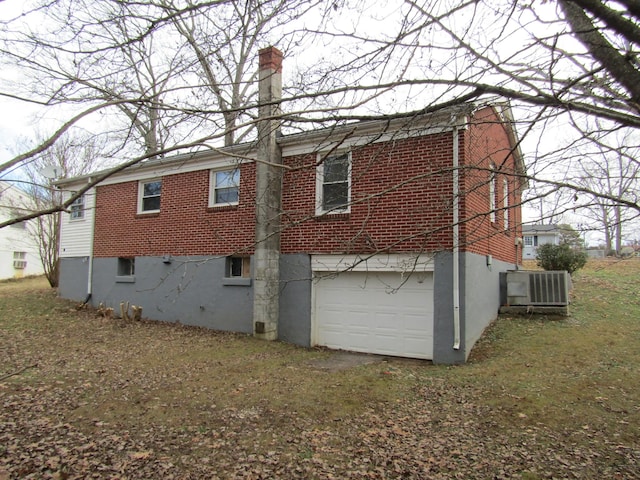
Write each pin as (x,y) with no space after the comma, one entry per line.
(126,270)
(237,271)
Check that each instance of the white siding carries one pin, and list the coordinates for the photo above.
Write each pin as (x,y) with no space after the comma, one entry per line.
(76,234)
(14,238)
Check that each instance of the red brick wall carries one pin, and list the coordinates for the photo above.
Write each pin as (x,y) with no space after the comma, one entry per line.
(486,142)
(402,203)
(184,226)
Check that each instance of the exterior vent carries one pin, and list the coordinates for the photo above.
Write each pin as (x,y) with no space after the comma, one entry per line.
(534,288)
(19,264)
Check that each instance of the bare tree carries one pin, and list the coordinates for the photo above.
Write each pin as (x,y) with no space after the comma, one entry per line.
(74,154)
(563,65)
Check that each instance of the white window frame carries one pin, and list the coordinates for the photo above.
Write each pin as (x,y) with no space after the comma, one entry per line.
(141,195)
(528,241)
(19,260)
(492,194)
(505,193)
(322,158)
(213,186)
(76,209)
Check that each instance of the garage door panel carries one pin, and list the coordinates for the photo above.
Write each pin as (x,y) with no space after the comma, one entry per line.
(382,313)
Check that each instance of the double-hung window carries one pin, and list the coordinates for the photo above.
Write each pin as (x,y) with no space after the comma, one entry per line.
(76,209)
(505,201)
(334,184)
(225,187)
(149,196)
(19,260)
(492,194)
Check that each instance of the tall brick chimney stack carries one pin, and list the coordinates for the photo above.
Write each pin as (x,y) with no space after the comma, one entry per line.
(266,269)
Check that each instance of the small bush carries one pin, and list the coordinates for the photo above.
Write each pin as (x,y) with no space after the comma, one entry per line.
(560,257)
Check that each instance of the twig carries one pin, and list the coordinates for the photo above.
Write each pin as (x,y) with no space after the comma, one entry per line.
(17,372)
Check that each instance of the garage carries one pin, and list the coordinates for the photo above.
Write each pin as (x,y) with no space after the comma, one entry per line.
(387,313)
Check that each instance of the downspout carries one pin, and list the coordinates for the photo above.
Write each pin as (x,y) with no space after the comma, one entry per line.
(91,237)
(456,243)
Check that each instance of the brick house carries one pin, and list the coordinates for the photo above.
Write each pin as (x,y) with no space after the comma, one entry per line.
(383,236)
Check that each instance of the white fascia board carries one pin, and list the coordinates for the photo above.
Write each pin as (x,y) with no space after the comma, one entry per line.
(392,262)
(158,169)
(171,165)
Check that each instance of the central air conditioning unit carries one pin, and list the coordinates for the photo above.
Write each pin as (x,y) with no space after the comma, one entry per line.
(537,290)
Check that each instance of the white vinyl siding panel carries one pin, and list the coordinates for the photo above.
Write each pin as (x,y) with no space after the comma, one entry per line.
(75,234)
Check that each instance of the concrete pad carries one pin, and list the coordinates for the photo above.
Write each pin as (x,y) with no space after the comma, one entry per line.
(341,360)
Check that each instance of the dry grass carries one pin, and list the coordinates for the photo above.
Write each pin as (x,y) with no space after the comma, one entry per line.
(540,398)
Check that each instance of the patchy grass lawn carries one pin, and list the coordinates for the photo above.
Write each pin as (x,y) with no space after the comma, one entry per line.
(86,397)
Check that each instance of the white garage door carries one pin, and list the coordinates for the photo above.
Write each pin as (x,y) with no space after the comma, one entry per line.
(384,313)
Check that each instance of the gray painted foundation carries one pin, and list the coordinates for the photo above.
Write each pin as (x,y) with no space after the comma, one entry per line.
(479,302)
(193,291)
(74,275)
(295,299)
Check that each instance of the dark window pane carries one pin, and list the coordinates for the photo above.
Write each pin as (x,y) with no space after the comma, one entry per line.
(336,169)
(152,188)
(335,195)
(227,195)
(126,266)
(151,203)
(235,266)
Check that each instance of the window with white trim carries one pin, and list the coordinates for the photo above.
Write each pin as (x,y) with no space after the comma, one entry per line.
(528,241)
(334,184)
(19,260)
(492,194)
(76,209)
(225,187)
(505,194)
(149,196)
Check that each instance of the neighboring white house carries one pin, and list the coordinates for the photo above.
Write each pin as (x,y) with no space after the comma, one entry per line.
(19,254)
(536,235)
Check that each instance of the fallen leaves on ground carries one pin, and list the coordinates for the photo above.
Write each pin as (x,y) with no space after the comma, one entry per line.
(105,400)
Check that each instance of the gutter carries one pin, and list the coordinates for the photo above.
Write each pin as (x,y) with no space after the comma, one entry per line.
(91,238)
(456,242)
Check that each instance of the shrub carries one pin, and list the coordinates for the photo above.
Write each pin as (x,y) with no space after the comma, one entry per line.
(560,257)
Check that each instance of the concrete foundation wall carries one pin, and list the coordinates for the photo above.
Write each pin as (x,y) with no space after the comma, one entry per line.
(193,291)
(295,299)
(74,275)
(479,303)
(188,290)
(482,294)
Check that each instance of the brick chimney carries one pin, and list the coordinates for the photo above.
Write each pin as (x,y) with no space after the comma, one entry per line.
(266,268)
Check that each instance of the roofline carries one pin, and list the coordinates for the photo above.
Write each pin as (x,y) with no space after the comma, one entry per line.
(447,118)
